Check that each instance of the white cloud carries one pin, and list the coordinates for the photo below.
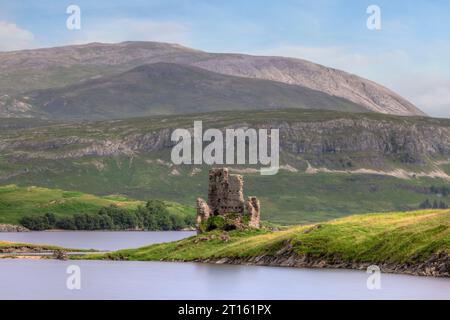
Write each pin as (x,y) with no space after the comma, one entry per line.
(13,37)
(118,30)
(429,92)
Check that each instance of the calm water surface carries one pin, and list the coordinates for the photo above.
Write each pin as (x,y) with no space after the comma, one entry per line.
(95,240)
(46,279)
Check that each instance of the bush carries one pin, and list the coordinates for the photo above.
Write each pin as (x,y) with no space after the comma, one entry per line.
(36,223)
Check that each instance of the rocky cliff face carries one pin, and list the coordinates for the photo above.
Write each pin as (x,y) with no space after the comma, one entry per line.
(23,71)
(337,141)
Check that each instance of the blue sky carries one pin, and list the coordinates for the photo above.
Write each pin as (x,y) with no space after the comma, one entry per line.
(409,54)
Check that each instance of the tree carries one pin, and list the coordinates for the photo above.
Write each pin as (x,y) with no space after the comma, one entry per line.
(425,204)
(121,218)
(66,223)
(51,218)
(35,223)
(435,205)
(443,205)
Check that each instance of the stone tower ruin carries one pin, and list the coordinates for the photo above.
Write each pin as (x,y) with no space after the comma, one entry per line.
(226,196)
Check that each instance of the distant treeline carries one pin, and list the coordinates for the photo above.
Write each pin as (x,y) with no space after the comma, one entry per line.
(427,204)
(153,216)
(442,190)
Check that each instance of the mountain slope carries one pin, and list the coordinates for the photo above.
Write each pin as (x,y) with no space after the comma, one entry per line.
(18,202)
(165,88)
(27,70)
(332,163)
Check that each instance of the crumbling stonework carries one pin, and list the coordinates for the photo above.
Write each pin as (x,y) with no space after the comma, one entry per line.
(225,193)
(252,207)
(226,196)
(203,211)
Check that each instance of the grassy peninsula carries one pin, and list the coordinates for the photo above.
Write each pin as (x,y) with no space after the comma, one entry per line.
(403,242)
(39,209)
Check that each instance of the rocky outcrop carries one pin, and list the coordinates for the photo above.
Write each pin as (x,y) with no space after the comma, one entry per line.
(10,108)
(60,255)
(12,228)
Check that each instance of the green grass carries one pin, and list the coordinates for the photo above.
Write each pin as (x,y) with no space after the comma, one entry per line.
(377,238)
(27,247)
(17,202)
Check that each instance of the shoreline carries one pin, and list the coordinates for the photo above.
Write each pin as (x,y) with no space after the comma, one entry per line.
(62,231)
(438,266)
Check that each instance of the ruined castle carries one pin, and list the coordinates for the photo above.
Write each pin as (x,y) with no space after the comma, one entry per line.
(226,196)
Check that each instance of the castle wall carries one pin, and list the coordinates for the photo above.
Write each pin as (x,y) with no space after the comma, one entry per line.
(225,196)
(226,192)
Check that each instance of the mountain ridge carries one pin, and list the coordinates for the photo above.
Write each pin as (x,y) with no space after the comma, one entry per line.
(54,67)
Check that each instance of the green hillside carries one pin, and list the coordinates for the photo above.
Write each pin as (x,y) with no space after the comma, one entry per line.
(299,197)
(396,238)
(409,161)
(17,202)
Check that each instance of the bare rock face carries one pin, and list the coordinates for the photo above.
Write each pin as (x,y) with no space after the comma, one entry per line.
(367,141)
(203,211)
(225,197)
(12,228)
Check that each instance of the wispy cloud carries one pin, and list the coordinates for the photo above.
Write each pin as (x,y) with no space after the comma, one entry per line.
(12,37)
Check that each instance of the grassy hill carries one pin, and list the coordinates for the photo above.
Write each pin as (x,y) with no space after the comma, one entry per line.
(299,198)
(408,156)
(395,240)
(17,202)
